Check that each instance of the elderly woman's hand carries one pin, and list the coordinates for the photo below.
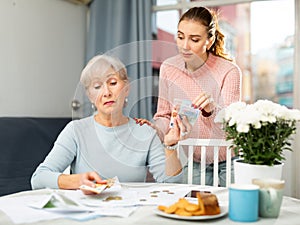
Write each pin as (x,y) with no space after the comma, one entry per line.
(179,131)
(90,179)
(74,181)
(184,126)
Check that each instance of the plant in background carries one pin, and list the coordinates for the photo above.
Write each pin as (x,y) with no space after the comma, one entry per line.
(259,132)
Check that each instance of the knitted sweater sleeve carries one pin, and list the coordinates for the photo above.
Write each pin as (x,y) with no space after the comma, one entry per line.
(231,87)
(164,106)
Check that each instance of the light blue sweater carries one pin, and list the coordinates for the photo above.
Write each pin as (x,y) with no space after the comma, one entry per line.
(124,151)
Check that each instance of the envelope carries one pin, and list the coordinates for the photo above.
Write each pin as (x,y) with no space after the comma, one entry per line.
(57,201)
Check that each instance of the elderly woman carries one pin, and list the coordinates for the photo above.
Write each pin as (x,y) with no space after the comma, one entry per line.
(107,144)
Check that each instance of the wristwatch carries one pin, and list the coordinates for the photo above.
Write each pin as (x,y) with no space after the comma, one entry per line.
(170,147)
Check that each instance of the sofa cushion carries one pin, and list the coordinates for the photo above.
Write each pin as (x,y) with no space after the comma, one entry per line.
(24,143)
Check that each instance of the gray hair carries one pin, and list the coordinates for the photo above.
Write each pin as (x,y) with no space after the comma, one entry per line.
(97,67)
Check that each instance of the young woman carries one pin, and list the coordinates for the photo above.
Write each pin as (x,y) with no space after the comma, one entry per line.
(203,74)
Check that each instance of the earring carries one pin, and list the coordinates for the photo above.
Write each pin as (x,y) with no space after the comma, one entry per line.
(125,102)
(94,107)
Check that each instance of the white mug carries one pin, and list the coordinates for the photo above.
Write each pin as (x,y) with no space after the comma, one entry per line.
(270,196)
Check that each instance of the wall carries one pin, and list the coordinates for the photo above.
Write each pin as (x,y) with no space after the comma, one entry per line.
(42,46)
(296,159)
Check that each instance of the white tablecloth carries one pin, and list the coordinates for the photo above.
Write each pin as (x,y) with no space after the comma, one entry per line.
(144,215)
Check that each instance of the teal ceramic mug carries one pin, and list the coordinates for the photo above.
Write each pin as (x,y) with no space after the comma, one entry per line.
(270,196)
(243,202)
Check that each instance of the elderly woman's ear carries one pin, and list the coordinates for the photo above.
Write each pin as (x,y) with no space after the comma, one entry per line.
(91,97)
(127,90)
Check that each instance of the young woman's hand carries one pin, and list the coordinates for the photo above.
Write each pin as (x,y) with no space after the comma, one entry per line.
(141,122)
(204,102)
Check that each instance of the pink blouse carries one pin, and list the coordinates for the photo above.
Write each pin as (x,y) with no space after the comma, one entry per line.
(218,77)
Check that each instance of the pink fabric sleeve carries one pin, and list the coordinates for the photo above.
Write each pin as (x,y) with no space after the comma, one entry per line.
(231,87)
(164,106)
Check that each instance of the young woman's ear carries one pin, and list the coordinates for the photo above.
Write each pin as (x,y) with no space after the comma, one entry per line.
(211,41)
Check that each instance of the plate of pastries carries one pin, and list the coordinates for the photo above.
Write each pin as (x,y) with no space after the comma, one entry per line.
(206,207)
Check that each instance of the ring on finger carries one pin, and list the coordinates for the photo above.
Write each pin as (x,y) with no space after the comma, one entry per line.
(182,134)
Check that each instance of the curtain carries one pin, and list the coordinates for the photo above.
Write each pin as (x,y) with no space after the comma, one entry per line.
(122,28)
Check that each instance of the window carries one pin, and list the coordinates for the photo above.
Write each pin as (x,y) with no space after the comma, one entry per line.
(260,41)
(263,37)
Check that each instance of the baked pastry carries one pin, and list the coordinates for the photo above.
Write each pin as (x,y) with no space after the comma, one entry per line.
(209,202)
(207,205)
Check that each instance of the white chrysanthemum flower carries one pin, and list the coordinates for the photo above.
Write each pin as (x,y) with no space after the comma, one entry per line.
(249,117)
(266,107)
(220,116)
(227,113)
(281,112)
(243,128)
(234,109)
(294,114)
(257,125)
(268,118)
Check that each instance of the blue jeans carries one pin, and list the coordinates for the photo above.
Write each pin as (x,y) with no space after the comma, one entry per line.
(209,173)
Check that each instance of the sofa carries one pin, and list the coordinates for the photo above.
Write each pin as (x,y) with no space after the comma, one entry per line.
(24,143)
